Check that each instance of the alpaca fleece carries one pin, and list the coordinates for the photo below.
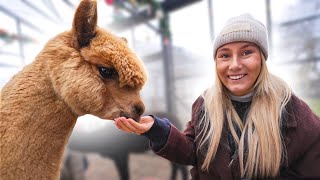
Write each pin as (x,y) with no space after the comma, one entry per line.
(40,104)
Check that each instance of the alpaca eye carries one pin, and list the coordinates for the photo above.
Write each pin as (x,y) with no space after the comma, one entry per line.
(107,72)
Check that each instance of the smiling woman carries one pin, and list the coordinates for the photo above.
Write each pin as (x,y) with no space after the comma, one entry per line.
(244,125)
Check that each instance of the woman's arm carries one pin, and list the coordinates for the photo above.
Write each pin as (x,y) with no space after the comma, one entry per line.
(304,147)
(165,139)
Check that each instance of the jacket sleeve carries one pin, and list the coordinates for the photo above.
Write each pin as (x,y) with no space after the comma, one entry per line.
(180,146)
(159,132)
(307,163)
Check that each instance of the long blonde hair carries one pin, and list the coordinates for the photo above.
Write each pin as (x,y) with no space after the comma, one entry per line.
(260,146)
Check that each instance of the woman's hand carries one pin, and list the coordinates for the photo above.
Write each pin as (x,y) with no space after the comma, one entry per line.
(131,126)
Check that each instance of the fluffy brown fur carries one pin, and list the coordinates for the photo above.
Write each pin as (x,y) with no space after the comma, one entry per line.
(40,105)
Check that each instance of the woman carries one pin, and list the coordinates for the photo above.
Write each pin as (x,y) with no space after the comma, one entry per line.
(248,125)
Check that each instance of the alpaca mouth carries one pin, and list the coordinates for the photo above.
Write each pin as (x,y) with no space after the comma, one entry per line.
(127,115)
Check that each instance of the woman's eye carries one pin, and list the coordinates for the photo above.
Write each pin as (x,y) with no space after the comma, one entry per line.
(224,56)
(246,52)
(107,72)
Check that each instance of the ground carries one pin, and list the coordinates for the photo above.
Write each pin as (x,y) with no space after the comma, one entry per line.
(145,166)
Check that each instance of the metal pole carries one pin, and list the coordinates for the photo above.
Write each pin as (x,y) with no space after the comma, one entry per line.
(210,14)
(168,64)
(269,23)
(20,41)
(133,38)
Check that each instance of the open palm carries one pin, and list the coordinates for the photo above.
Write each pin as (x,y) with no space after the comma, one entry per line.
(129,125)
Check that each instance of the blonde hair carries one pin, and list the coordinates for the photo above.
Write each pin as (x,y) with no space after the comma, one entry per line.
(260,146)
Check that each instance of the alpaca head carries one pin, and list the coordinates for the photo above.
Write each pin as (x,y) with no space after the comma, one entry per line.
(94,71)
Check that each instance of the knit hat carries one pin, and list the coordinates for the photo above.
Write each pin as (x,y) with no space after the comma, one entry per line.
(243,28)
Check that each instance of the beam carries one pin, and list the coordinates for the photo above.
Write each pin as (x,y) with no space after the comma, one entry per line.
(135,19)
(52,8)
(300,20)
(69,4)
(20,19)
(302,61)
(173,5)
(36,9)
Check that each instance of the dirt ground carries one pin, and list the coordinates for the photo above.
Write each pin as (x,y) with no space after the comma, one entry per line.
(145,166)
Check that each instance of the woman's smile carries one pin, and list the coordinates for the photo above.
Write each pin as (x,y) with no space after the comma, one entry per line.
(236,77)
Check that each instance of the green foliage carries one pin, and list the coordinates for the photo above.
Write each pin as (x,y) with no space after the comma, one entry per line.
(314,105)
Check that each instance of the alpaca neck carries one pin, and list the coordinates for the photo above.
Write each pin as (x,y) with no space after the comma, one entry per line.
(35,126)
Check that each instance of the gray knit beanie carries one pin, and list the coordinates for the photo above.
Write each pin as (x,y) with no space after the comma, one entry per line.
(243,28)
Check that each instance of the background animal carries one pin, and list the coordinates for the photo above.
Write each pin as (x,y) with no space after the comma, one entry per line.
(86,70)
(109,142)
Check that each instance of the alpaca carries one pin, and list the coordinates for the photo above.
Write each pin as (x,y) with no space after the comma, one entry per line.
(82,71)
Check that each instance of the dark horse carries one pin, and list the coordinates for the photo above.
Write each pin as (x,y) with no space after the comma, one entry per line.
(112,143)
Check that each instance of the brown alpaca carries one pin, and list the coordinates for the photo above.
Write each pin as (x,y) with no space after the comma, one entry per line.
(82,71)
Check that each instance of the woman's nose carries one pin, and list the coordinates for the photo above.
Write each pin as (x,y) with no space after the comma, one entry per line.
(235,63)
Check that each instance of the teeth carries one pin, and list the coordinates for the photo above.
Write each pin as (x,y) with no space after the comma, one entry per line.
(236,77)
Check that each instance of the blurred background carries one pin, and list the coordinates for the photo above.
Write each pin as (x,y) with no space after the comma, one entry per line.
(174,39)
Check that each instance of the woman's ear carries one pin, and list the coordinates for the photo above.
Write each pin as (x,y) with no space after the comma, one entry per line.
(84,23)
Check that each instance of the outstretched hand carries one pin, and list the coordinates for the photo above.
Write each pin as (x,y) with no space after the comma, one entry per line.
(131,126)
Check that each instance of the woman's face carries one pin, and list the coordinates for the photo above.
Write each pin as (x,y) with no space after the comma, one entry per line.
(238,66)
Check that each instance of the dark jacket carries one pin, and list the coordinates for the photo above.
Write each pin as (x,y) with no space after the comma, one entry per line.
(301,134)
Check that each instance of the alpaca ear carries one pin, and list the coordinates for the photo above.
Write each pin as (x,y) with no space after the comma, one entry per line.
(124,39)
(84,23)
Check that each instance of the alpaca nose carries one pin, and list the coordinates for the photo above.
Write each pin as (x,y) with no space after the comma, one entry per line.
(138,109)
